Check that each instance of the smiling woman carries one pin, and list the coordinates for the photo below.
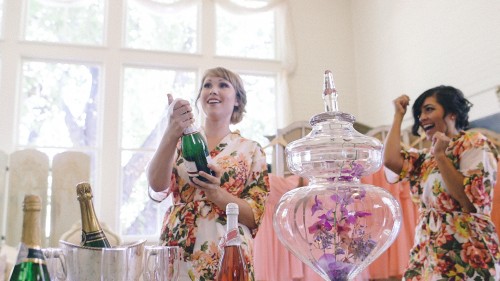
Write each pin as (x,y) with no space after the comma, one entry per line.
(199,202)
(453,185)
(441,109)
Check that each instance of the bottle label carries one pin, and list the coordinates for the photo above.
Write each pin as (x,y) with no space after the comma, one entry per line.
(88,237)
(35,254)
(191,168)
(230,239)
(209,159)
(29,254)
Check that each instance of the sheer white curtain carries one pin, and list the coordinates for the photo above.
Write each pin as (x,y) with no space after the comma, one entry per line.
(159,7)
(64,3)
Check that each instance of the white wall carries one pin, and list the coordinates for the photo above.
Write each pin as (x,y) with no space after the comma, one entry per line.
(324,40)
(379,49)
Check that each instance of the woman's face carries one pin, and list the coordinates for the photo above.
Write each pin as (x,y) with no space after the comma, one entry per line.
(432,119)
(218,98)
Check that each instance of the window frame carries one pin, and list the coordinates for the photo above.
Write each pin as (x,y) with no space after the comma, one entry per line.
(113,59)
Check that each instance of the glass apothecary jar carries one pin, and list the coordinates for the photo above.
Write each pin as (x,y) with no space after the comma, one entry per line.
(336,225)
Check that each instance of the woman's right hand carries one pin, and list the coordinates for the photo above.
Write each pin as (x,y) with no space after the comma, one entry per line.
(181,116)
(159,171)
(393,160)
(401,103)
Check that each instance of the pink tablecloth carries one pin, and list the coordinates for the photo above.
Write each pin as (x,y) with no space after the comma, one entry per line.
(273,262)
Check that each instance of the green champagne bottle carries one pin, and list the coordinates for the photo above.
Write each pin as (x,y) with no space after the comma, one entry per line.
(30,264)
(92,233)
(195,153)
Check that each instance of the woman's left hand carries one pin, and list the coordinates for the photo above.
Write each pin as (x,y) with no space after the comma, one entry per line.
(439,143)
(212,187)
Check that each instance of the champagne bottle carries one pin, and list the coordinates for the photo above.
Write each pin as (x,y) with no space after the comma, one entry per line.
(195,152)
(92,233)
(30,264)
(232,266)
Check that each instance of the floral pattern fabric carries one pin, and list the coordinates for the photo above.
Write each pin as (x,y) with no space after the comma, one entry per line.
(451,244)
(196,224)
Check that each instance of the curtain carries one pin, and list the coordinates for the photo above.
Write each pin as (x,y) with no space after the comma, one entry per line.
(64,3)
(394,260)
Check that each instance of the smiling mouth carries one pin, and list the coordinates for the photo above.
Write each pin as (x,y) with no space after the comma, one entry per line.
(213,101)
(428,127)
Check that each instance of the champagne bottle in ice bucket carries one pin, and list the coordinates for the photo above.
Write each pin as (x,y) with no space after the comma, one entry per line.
(92,233)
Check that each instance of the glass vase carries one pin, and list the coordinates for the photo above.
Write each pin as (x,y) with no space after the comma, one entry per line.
(336,225)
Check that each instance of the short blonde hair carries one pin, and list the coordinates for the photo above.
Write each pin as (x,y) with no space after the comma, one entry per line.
(235,80)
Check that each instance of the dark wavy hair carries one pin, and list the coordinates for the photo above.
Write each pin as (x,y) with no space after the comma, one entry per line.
(451,99)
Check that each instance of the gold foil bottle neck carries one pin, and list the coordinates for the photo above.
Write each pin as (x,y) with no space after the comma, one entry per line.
(32,203)
(31,235)
(90,224)
(84,191)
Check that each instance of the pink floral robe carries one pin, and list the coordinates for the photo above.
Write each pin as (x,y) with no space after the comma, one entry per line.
(451,244)
(196,224)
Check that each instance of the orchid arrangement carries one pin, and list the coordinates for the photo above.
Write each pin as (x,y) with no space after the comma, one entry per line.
(340,233)
(352,171)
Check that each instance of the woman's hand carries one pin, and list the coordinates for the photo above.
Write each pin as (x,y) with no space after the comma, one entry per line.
(401,103)
(453,178)
(181,116)
(159,169)
(439,143)
(212,187)
(221,197)
(393,159)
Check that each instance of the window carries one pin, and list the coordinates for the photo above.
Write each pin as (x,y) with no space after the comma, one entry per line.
(167,29)
(231,39)
(91,75)
(77,22)
(59,107)
(144,108)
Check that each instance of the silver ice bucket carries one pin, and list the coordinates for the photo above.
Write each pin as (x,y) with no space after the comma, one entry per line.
(86,263)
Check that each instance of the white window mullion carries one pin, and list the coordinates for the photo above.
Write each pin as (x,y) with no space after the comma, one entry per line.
(109,200)
(10,69)
(207,30)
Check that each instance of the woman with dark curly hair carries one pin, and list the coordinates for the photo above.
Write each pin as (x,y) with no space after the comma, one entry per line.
(452,184)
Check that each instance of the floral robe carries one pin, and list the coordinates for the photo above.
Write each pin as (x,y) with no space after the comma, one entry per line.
(451,244)
(196,224)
